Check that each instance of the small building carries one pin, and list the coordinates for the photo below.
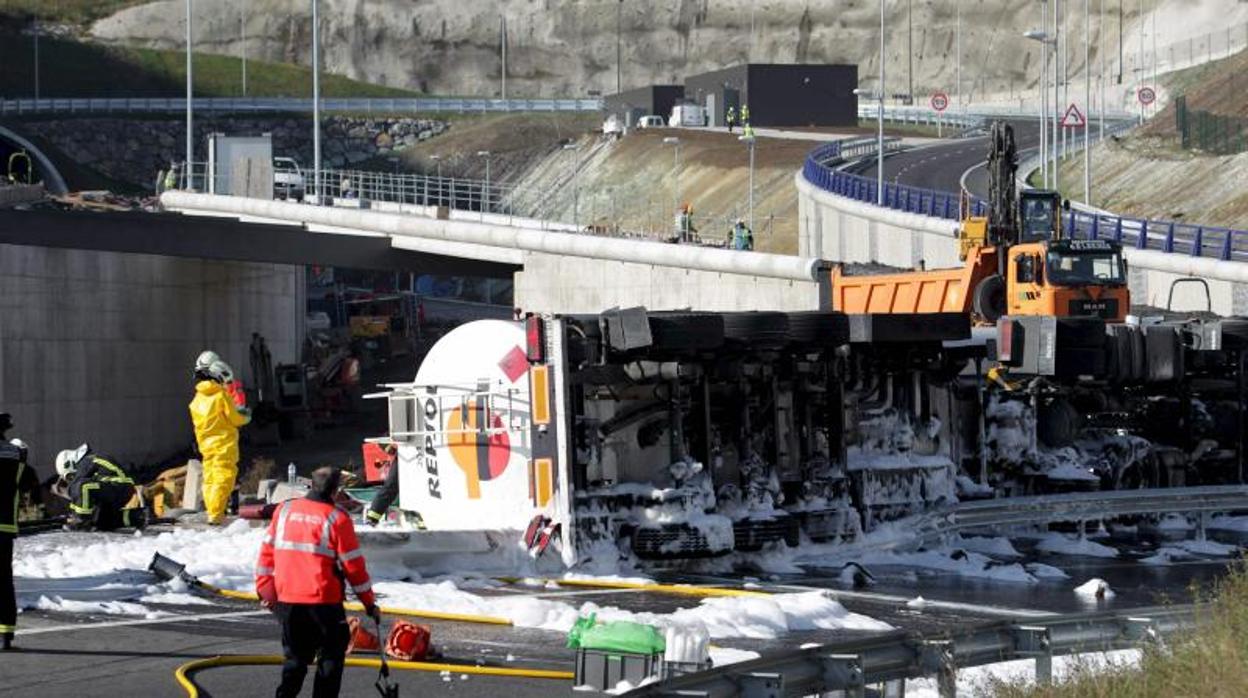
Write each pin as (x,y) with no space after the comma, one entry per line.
(652,100)
(780,94)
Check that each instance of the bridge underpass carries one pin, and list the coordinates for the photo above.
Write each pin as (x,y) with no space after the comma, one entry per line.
(104,314)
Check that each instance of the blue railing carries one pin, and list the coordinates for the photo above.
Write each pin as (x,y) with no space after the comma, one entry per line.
(1141,234)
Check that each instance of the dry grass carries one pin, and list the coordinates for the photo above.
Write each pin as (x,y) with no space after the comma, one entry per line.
(261,469)
(1210,661)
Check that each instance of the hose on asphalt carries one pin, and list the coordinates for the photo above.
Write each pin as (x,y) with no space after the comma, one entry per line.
(183,673)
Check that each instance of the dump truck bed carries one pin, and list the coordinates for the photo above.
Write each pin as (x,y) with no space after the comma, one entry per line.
(934,291)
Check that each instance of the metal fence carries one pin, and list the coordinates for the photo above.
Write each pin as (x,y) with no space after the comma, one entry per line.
(1142,234)
(1209,132)
(277,105)
(563,205)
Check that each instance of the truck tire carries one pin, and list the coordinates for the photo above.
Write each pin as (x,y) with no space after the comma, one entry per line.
(1164,354)
(818,328)
(1080,332)
(685,332)
(989,299)
(757,329)
(1072,362)
(1058,423)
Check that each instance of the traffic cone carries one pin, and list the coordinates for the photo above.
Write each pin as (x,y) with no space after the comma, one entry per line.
(409,642)
(362,639)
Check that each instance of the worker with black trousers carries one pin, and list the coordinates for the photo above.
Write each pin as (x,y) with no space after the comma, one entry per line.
(16,477)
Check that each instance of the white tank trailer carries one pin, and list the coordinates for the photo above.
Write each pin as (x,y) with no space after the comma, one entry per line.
(675,435)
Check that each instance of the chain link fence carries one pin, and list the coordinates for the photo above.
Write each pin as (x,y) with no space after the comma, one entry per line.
(1208,132)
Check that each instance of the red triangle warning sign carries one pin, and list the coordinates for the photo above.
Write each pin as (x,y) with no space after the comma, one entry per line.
(1074,117)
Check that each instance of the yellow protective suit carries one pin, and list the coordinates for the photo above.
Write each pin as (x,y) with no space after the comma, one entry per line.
(216,422)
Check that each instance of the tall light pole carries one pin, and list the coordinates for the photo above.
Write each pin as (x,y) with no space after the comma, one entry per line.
(576,184)
(879,198)
(242,40)
(485,193)
(190,109)
(1087,104)
(36,37)
(619,48)
(749,139)
(1044,40)
(1054,166)
(957,58)
(1100,54)
(316,100)
(502,48)
(674,141)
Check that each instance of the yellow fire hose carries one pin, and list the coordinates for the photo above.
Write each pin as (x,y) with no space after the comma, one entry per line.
(192,691)
(387,610)
(681,589)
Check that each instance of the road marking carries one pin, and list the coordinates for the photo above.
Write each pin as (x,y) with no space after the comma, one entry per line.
(141,621)
(967,173)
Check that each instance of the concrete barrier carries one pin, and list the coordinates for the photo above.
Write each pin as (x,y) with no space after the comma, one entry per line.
(840,229)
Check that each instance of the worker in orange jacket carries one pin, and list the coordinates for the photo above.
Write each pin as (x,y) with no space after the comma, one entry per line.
(217,420)
(308,550)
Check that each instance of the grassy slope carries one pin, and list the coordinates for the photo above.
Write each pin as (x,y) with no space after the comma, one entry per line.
(1211,660)
(77,69)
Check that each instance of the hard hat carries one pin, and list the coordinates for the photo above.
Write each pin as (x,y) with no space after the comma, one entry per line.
(221,371)
(21,446)
(206,359)
(67,460)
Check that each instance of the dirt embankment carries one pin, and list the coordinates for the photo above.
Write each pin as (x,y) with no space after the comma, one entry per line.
(1147,174)
(637,182)
(633,181)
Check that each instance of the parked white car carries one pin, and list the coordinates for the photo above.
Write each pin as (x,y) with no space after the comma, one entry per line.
(288,180)
(650,122)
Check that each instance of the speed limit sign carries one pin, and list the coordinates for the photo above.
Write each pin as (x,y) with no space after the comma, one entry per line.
(940,101)
(1146,95)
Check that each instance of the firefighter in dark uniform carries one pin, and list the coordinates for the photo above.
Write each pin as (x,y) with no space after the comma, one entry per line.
(387,494)
(99,492)
(16,477)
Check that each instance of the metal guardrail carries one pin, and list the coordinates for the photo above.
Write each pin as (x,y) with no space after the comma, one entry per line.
(919,116)
(1080,506)
(396,105)
(1227,244)
(889,659)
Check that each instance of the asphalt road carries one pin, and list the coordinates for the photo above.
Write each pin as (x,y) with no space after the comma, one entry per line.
(99,655)
(941,166)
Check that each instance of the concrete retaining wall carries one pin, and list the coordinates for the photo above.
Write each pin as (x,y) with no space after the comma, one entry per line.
(554,283)
(842,230)
(99,346)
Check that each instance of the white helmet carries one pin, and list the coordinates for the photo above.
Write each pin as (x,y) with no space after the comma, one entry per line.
(221,371)
(206,358)
(21,446)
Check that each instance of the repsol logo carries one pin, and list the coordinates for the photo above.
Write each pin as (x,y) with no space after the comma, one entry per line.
(429,453)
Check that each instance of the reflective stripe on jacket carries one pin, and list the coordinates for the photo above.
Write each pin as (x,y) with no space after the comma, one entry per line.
(15,478)
(96,476)
(309,547)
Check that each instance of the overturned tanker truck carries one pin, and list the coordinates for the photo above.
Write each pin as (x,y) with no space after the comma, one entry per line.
(669,435)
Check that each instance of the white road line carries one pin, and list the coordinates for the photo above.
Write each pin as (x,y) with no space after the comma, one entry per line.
(141,621)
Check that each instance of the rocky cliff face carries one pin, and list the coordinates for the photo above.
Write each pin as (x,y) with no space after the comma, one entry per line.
(568,47)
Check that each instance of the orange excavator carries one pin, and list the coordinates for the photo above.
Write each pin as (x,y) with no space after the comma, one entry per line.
(1017,261)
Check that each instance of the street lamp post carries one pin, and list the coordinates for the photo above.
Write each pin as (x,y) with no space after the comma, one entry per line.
(1087,104)
(37,28)
(485,193)
(242,40)
(576,184)
(880,119)
(190,116)
(1045,40)
(879,142)
(674,141)
(749,140)
(316,100)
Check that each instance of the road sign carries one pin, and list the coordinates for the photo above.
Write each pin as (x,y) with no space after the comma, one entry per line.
(940,101)
(1146,95)
(1073,117)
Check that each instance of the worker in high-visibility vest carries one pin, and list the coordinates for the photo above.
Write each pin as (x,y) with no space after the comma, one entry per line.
(745,115)
(16,477)
(731,117)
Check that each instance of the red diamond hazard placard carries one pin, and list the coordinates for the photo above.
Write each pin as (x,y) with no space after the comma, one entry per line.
(514,364)
(1074,117)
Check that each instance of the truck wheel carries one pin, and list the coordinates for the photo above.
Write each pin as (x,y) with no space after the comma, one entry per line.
(686,331)
(1057,424)
(989,299)
(818,328)
(756,329)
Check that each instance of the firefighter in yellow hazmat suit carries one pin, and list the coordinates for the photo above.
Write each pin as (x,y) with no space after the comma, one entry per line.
(217,420)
